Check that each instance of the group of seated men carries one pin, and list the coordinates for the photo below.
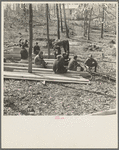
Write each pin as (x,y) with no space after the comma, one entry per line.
(38,60)
(59,65)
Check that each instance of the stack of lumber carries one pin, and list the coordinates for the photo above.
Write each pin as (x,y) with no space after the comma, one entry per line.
(50,76)
(20,71)
(22,66)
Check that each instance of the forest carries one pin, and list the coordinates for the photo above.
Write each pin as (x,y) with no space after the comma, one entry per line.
(90,28)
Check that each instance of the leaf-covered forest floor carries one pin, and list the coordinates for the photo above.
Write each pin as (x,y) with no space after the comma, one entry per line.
(33,98)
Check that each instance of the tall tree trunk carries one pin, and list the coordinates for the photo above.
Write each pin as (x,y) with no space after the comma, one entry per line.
(49,12)
(58,25)
(30,38)
(102,23)
(48,30)
(85,20)
(54,9)
(89,24)
(99,13)
(67,31)
(25,23)
(69,12)
(84,24)
(61,18)
(105,20)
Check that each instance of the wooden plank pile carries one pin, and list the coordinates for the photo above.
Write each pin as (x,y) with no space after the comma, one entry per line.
(64,78)
(20,71)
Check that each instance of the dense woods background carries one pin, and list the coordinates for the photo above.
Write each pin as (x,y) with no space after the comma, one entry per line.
(16,18)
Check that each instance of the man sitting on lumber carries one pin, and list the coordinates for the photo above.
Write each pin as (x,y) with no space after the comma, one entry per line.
(90,62)
(73,64)
(36,49)
(24,53)
(58,65)
(40,61)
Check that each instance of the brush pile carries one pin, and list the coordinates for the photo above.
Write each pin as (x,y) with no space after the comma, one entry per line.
(93,47)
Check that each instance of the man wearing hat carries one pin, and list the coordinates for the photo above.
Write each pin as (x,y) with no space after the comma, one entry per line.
(58,65)
(36,49)
(91,62)
(73,64)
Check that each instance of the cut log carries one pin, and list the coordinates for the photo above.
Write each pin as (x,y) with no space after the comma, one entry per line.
(106,112)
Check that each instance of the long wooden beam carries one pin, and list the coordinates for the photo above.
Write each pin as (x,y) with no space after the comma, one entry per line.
(46,71)
(44,77)
(48,80)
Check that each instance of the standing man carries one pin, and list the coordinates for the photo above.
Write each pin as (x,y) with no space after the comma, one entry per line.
(36,48)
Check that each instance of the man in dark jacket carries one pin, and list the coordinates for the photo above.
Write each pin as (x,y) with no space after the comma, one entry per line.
(73,64)
(24,53)
(64,44)
(90,62)
(58,66)
(36,49)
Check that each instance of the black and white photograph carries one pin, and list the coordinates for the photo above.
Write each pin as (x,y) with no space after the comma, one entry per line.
(59,59)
